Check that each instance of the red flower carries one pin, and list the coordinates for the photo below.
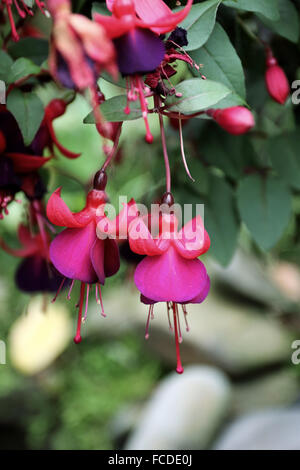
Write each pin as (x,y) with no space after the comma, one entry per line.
(135,26)
(170,271)
(78,252)
(236,120)
(276,81)
(80,49)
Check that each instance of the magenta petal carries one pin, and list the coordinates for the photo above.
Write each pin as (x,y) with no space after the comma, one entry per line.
(97,258)
(169,277)
(70,253)
(203,294)
(111,257)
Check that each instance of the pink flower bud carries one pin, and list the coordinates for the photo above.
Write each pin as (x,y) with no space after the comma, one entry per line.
(276,81)
(236,120)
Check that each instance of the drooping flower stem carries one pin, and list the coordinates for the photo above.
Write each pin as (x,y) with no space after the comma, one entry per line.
(182,150)
(164,146)
(114,149)
(179,368)
(77,338)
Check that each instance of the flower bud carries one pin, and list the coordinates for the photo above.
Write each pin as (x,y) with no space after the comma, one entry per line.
(236,120)
(276,81)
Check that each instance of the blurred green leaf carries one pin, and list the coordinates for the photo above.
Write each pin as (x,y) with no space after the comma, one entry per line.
(285,157)
(268,8)
(221,220)
(113,110)
(34,49)
(22,68)
(287,25)
(28,111)
(265,207)
(5,65)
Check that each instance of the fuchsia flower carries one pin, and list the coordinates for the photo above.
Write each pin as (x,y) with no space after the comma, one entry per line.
(22,9)
(171,272)
(80,48)
(276,81)
(236,120)
(135,26)
(77,252)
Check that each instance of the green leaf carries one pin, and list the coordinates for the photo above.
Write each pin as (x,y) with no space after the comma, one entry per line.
(288,23)
(22,68)
(28,111)
(220,219)
(200,23)
(5,65)
(32,48)
(230,154)
(265,207)
(221,62)
(113,110)
(197,95)
(268,8)
(285,157)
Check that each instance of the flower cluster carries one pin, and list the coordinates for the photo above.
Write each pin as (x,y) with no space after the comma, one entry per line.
(141,41)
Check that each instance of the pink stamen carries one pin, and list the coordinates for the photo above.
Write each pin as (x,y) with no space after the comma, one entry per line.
(101,302)
(86,303)
(14,33)
(179,368)
(59,289)
(150,313)
(179,326)
(169,319)
(164,146)
(185,318)
(21,13)
(70,290)
(77,338)
(144,108)
(182,151)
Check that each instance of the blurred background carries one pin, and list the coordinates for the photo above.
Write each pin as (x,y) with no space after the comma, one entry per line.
(241,385)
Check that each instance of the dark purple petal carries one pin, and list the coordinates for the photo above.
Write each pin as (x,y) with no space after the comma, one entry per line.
(139,51)
(34,274)
(12,133)
(111,257)
(8,178)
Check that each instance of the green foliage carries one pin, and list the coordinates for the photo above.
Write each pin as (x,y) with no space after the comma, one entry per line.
(28,110)
(287,25)
(113,110)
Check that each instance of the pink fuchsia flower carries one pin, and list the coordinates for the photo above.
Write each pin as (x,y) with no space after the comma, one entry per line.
(78,252)
(276,81)
(22,9)
(46,137)
(80,48)
(135,26)
(170,271)
(236,120)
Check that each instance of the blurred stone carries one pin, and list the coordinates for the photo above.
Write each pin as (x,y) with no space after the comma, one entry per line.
(238,338)
(39,336)
(274,429)
(249,277)
(184,412)
(274,389)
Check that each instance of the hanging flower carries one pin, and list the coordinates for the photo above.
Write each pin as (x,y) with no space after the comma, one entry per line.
(78,252)
(35,273)
(135,26)
(276,81)
(170,271)
(79,50)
